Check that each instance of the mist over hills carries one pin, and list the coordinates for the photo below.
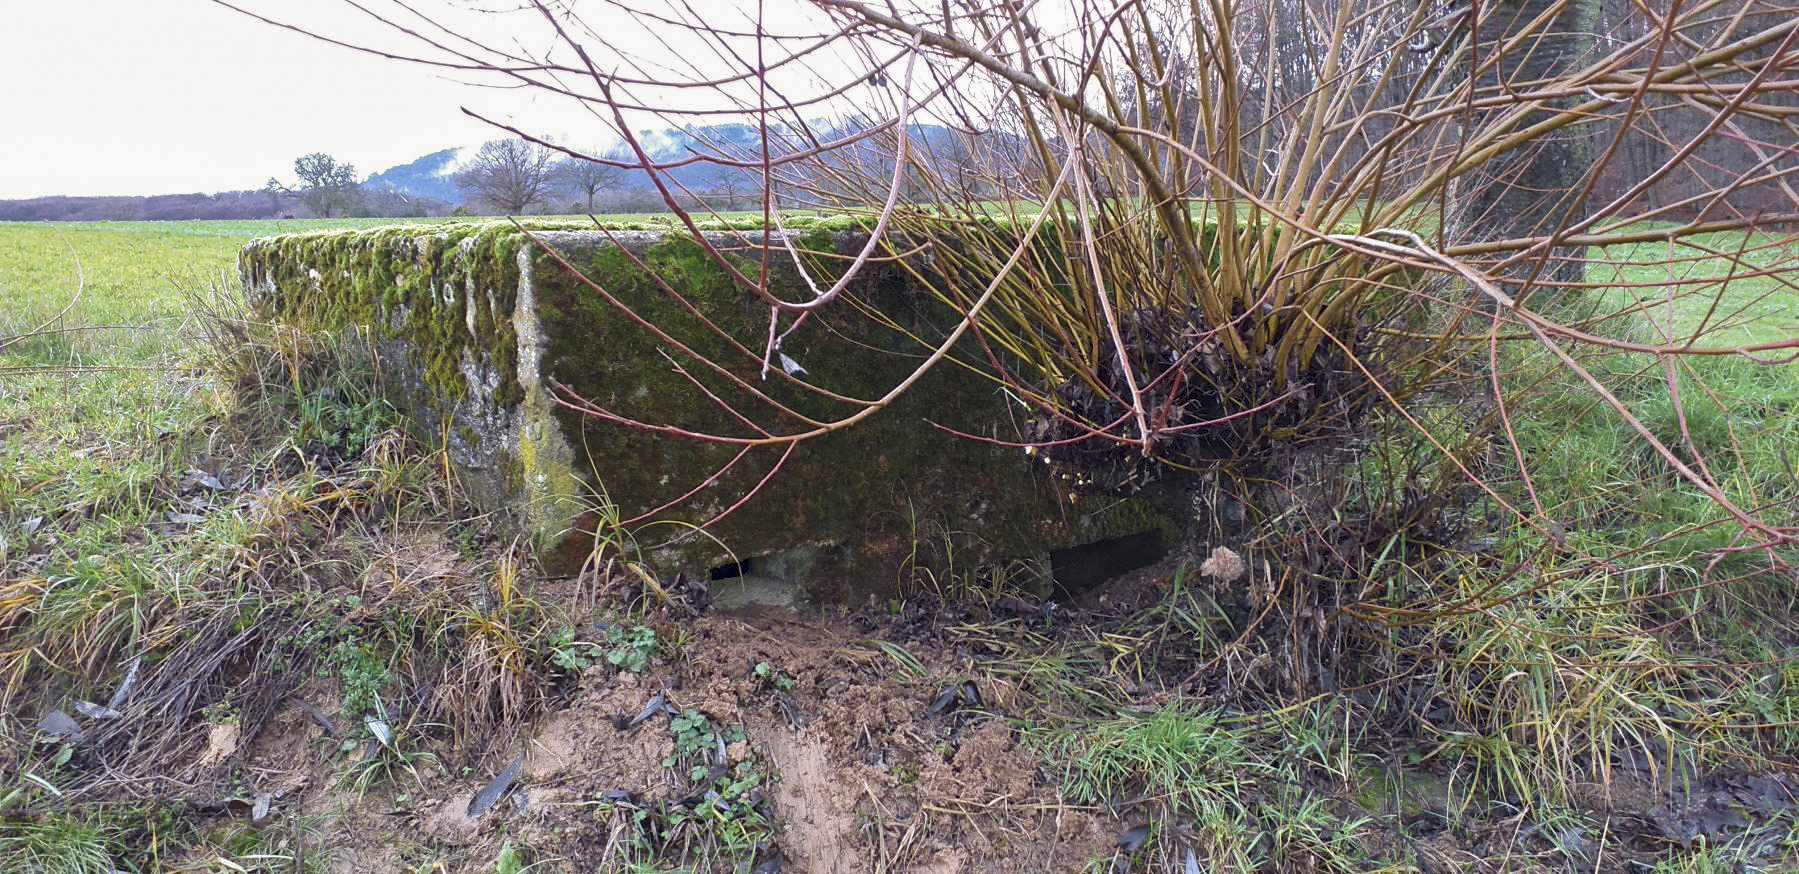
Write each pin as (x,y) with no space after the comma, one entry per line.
(431,176)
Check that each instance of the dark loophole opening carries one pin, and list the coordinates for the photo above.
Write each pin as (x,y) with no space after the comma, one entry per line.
(1081,569)
(729,571)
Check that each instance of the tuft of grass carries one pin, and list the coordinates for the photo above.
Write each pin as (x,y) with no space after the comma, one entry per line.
(40,835)
(59,844)
(1178,755)
(1230,793)
(1617,623)
(374,764)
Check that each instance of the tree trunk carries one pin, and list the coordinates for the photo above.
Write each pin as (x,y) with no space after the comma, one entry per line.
(1532,190)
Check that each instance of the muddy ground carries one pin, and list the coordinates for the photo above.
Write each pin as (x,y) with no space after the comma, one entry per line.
(866,767)
(834,741)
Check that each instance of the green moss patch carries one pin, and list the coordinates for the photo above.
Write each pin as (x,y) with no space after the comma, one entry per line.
(442,303)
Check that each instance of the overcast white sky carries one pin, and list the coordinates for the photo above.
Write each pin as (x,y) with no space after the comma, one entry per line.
(178,96)
(170,96)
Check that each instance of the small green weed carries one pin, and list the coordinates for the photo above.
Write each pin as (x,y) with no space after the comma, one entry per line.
(773,679)
(693,742)
(363,672)
(631,649)
(510,861)
(728,814)
(573,655)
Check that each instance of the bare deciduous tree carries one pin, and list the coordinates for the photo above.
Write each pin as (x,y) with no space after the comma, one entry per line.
(587,178)
(510,175)
(325,185)
(1535,189)
(732,190)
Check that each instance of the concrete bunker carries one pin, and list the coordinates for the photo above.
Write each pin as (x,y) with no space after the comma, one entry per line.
(479,328)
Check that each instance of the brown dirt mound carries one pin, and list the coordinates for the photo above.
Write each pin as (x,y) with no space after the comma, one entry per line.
(865,773)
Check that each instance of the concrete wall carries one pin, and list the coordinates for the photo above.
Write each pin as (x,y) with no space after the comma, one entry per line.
(476,325)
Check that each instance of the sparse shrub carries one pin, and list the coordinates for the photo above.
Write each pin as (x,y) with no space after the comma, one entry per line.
(318,389)
(364,674)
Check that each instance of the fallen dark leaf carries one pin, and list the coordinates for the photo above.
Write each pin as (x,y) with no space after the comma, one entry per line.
(785,703)
(484,800)
(319,717)
(658,704)
(959,697)
(61,726)
(719,802)
(620,798)
(943,701)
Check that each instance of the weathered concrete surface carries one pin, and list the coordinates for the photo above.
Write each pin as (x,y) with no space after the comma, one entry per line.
(476,325)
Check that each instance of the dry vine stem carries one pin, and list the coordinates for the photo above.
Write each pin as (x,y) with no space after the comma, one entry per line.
(1188,233)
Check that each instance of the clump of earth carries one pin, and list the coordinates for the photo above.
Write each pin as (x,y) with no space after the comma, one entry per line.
(863,763)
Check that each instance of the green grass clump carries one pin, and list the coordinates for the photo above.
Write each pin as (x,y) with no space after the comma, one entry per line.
(1234,787)
(111,838)
(1615,619)
(60,844)
(1615,495)
(1178,754)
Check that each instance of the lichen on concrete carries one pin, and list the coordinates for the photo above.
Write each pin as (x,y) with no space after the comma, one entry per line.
(480,324)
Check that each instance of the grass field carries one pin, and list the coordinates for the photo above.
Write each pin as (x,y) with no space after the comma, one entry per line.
(137,277)
(138,274)
(1751,309)
(113,404)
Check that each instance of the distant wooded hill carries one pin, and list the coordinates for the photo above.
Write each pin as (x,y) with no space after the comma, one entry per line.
(161,207)
(426,185)
(184,207)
